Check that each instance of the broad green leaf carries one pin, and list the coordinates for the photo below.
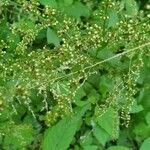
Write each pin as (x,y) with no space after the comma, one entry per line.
(51,3)
(86,139)
(105,85)
(145,98)
(90,147)
(93,96)
(101,135)
(146,144)
(81,103)
(123,136)
(147,117)
(113,18)
(77,10)
(52,37)
(136,108)
(131,7)
(92,82)
(142,129)
(87,87)
(80,93)
(68,2)
(109,121)
(118,148)
(60,136)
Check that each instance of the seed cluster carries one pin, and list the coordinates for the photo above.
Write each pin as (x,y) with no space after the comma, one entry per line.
(59,71)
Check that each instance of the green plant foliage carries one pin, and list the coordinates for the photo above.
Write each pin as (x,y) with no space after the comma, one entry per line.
(77,10)
(145,145)
(101,135)
(131,7)
(17,136)
(52,37)
(60,136)
(74,74)
(117,148)
(109,121)
(51,3)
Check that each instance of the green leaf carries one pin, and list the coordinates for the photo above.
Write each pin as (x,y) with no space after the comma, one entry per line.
(147,117)
(68,2)
(90,147)
(109,121)
(51,3)
(52,37)
(18,136)
(93,96)
(131,7)
(136,108)
(142,129)
(80,93)
(92,82)
(86,139)
(145,98)
(77,10)
(118,148)
(101,135)
(146,144)
(60,136)
(105,85)
(113,18)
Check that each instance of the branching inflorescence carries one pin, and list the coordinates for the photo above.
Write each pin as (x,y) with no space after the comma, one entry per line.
(112,41)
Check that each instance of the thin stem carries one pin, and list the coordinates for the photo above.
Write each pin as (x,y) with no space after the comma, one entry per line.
(105,60)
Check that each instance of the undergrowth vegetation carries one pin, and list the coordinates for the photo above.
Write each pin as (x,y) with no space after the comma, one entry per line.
(74,74)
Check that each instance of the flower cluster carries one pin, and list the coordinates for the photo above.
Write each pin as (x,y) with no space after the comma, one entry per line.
(54,71)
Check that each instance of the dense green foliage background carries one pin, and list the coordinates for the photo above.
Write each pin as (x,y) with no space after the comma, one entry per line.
(74,74)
